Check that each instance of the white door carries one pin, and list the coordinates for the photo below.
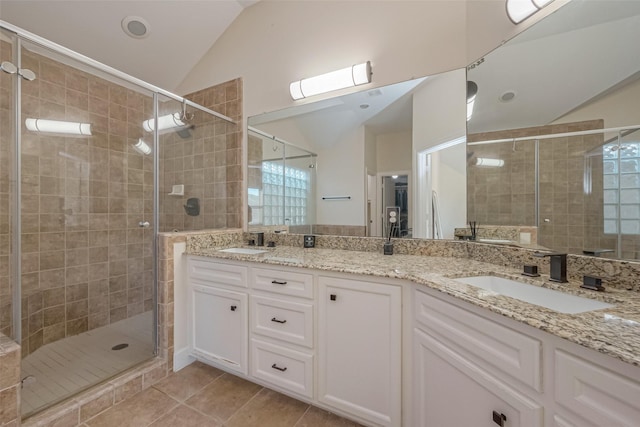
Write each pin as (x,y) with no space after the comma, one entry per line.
(360,349)
(219,326)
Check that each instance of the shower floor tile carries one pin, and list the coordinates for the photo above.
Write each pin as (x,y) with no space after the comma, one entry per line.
(63,368)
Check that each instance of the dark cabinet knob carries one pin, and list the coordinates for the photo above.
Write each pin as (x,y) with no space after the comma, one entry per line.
(333,297)
(499,418)
(234,307)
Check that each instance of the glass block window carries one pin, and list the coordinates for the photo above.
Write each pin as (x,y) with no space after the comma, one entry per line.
(621,182)
(283,200)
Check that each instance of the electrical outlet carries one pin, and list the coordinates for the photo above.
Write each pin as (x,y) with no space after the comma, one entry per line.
(309,241)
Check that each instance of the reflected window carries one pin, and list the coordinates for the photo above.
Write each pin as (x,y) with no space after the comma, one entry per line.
(284,195)
(621,187)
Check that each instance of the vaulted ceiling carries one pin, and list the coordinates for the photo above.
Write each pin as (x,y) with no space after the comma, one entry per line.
(180,32)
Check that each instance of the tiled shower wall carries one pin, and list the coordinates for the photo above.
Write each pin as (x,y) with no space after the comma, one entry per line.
(207,161)
(570,220)
(85,261)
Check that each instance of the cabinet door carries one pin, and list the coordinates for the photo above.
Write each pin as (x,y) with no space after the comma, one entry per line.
(450,391)
(219,326)
(360,349)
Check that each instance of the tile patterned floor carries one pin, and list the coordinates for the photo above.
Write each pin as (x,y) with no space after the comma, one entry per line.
(203,396)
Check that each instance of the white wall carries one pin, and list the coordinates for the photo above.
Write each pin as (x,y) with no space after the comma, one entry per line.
(450,184)
(273,43)
(439,116)
(394,151)
(341,173)
(619,108)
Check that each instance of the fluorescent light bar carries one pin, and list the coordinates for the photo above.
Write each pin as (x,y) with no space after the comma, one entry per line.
(56,126)
(490,163)
(164,122)
(541,3)
(519,10)
(142,147)
(347,77)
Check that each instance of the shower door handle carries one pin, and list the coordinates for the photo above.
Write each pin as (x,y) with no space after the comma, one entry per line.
(143,224)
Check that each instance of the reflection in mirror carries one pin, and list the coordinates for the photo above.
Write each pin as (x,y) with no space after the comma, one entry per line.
(281,184)
(552,148)
(395,198)
(358,139)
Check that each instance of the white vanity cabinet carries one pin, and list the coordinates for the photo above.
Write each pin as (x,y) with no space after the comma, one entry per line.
(359,348)
(282,329)
(218,303)
(470,371)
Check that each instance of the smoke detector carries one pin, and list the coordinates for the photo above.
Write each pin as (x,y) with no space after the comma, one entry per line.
(135,26)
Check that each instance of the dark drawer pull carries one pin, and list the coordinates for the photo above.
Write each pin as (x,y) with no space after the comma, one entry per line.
(333,297)
(278,321)
(233,307)
(277,282)
(274,366)
(499,418)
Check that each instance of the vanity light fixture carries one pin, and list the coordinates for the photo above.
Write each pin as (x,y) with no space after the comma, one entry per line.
(472,91)
(347,77)
(56,126)
(519,10)
(169,121)
(142,147)
(490,163)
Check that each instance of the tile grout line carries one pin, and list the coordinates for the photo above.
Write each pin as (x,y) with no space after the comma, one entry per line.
(245,404)
(309,406)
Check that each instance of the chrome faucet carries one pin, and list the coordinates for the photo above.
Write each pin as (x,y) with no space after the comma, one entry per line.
(557,265)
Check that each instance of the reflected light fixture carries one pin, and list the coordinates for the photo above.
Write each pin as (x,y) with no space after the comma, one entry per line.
(519,10)
(491,163)
(347,77)
(472,91)
(164,122)
(56,126)
(142,147)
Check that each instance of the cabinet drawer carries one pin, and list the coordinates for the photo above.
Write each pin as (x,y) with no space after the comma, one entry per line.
(284,320)
(509,351)
(286,368)
(213,273)
(596,393)
(283,282)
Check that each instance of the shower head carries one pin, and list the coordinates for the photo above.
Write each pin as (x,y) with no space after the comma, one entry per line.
(185,132)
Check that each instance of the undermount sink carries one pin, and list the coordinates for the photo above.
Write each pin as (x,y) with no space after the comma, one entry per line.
(554,300)
(243,251)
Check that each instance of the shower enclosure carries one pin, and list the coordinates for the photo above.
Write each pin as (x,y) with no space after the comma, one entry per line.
(81,147)
(581,189)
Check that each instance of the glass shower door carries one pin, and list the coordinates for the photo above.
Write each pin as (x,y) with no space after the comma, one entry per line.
(87,227)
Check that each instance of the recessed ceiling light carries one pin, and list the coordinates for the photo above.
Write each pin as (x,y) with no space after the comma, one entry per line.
(135,26)
(507,96)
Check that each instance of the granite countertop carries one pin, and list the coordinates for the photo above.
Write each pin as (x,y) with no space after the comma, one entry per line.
(613,331)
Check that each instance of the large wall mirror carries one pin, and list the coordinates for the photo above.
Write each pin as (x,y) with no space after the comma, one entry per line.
(341,166)
(553,142)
